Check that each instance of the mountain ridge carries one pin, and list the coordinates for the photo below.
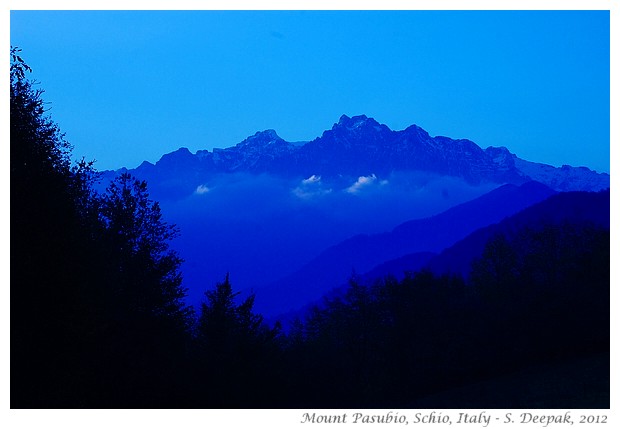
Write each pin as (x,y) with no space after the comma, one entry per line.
(363,252)
(354,147)
(562,208)
(264,208)
(576,209)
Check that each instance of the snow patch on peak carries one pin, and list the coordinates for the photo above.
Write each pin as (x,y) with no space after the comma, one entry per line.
(358,121)
(498,153)
(501,157)
(352,123)
(420,133)
(261,138)
(271,134)
(565,178)
(266,135)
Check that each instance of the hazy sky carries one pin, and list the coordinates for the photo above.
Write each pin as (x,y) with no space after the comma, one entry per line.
(131,86)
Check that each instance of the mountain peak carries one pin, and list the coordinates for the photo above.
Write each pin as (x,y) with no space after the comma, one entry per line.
(354,122)
(177,159)
(268,135)
(261,138)
(271,134)
(357,146)
(180,153)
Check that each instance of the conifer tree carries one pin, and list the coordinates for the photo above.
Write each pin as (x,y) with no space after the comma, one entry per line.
(238,351)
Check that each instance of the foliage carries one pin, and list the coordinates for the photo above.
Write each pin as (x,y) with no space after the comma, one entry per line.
(538,298)
(134,227)
(237,351)
(96,300)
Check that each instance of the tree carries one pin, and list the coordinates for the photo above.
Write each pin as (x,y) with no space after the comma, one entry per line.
(495,273)
(145,322)
(150,280)
(238,351)
(51,268)
(37,145)
(97,312)
(228,329)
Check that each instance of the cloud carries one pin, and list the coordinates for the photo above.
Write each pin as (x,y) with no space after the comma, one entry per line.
(201,189)
(305,194)
(264,226)
(310,187)
(361,183)
(312,179)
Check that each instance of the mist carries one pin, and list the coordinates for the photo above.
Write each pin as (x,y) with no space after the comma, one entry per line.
(260,228)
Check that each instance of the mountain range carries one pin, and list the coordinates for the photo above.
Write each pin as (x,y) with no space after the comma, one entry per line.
(354,147)
(419,239)
(289,221)
(576,211)
(566,208)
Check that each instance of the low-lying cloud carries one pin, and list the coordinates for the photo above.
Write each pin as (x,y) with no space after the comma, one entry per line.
(361,183)
(310,188)
(201,189)
(263,227)
(312,179)
(365,182)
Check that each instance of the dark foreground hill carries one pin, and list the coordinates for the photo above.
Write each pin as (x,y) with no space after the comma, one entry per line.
(564,208)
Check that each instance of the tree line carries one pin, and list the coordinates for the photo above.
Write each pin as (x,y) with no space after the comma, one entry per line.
(98,318)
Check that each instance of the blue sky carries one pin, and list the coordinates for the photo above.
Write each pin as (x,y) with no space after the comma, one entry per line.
(130,86)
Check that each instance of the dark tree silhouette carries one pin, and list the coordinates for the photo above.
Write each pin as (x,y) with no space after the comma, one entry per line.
(537,299)
(97,317)
(224,325)
(50,304)
(238,352)
(151,281)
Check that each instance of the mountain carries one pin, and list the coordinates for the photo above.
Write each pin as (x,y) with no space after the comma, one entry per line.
(562,179)
(354,147)
(575,208)
(265,208)
(575,212)
(363,252)
(398,267)
(564,208)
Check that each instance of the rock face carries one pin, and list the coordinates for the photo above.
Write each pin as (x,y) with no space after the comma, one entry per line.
(360,146)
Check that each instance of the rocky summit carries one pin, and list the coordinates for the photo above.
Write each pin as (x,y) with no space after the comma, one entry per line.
(360,146)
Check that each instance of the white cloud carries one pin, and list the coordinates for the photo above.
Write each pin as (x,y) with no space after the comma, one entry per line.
(310,187)
(201,189)
(306,194)
(312,179)
(362,182)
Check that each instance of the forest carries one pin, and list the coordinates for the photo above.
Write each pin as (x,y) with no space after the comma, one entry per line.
(98,317)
